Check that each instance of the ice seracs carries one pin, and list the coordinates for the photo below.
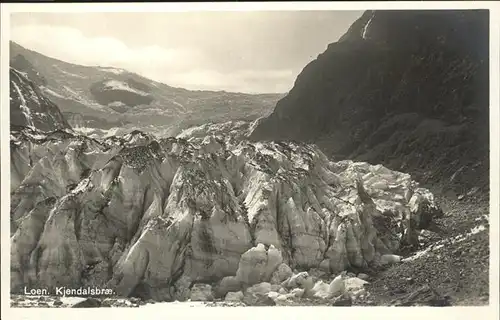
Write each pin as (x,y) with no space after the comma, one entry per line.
(366,29)
(151,217)
(29,108)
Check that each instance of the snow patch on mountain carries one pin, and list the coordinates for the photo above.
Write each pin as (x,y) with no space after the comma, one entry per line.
(80,97)
(97,133)
(182,109)
(116,104)
(24,108)
(113,70)
(73,92)
(52,92)
(120,85)
(29,107)
(69,73)
(367,26)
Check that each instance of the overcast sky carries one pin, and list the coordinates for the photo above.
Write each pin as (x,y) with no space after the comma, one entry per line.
(232,51)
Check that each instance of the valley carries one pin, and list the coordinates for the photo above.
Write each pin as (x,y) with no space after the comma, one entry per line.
(365,185)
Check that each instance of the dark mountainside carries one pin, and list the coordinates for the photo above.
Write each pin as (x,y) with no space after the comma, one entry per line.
(407,89)
(30,108)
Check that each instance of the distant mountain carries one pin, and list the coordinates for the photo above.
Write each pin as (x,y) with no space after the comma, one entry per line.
(30,108)
(408,89)
(105,97)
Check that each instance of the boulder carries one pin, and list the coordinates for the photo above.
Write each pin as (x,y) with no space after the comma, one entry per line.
(58,303)
(88,303)
(234,296)
(355,287)
(255,293)
(260,288)
(423,208)
(257,299)
(258,264)
(282,273)
(298,292)
(264,301)
(301,280)
(273,295)
(201,292)
(321,290)
(274,260)
(337,286)
(284,297)
(275,287)
(354,283)
(227,284)
(182,291)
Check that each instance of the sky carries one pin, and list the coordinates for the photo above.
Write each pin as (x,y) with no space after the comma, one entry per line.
(254,52)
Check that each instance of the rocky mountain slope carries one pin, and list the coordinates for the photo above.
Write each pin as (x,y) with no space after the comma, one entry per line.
(407,89)
(117,97)
(153,217)
(30,108)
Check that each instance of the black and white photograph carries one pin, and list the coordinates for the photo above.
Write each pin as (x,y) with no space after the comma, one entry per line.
(249,158)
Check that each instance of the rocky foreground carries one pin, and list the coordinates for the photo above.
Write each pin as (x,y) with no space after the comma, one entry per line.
(205,218)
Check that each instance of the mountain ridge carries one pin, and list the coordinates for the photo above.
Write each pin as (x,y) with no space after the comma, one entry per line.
(83,90)
(22,48)
(398,79)
(30,108)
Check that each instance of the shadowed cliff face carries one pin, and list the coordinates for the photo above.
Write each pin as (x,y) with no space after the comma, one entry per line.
(30,108)
(150,217)
(408,89)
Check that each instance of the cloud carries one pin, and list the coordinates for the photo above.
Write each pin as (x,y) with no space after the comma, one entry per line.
(252,81)
(177,66)
(70,44)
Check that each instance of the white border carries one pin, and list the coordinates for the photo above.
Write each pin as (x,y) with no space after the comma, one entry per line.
(490,312)
(243,6)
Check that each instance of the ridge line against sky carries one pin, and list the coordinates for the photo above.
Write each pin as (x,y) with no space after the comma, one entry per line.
(248,52)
